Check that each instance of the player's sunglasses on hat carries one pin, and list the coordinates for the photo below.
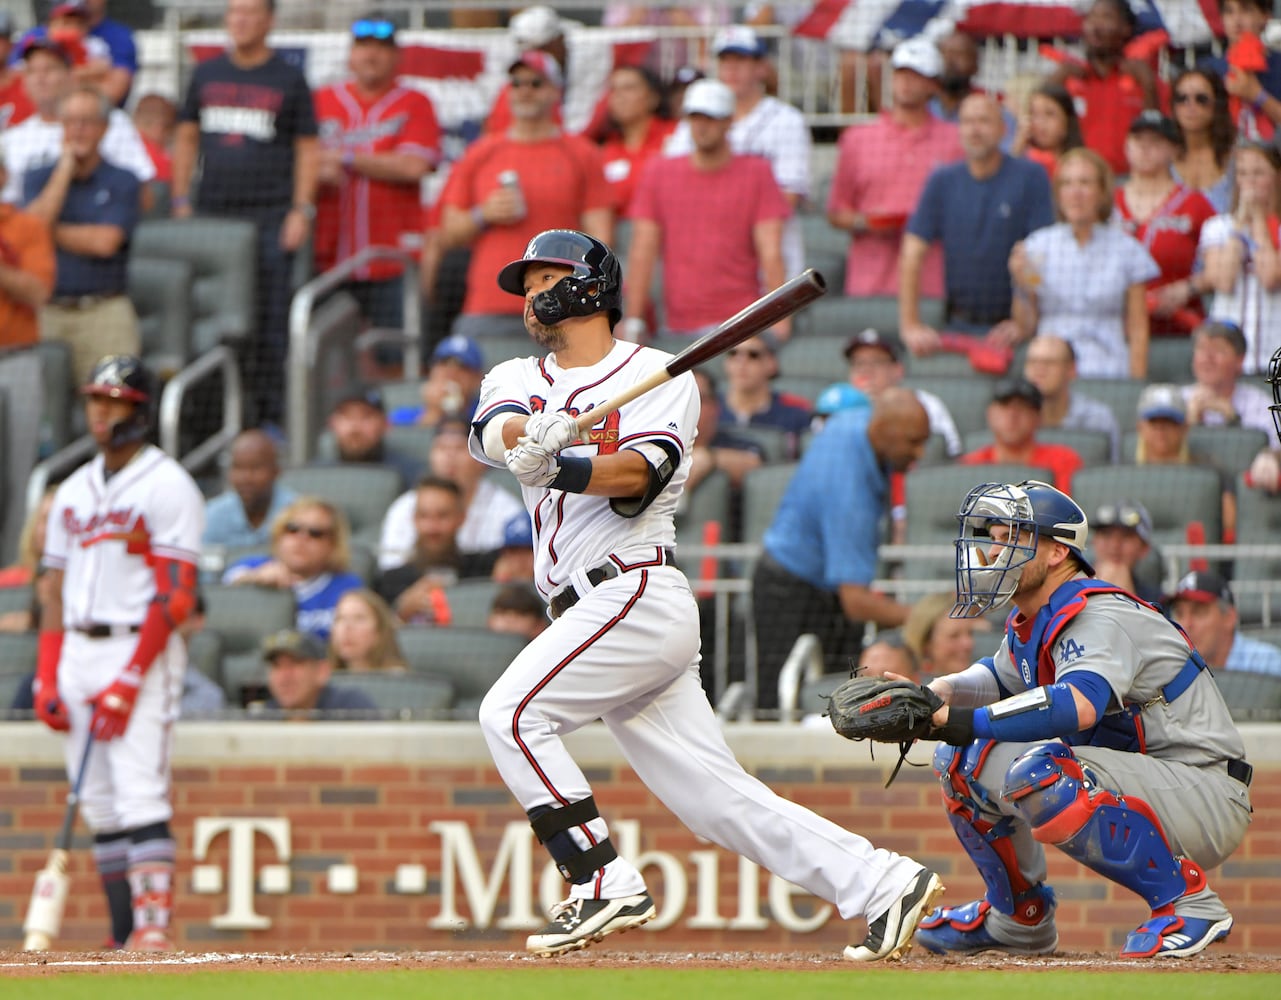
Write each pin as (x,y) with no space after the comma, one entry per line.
(310,530)
(373,28)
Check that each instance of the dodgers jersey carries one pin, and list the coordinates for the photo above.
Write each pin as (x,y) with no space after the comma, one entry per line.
(573,531)
(1137,652)
(103,533)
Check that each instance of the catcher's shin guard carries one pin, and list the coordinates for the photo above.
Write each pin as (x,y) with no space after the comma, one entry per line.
(987,843)
(1120,837)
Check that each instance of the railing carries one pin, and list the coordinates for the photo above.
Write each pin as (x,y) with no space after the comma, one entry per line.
(219,361)
(57,467)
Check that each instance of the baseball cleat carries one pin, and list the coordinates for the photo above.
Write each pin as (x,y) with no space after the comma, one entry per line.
(1173,936)
(889,936)
(576,923)
(151,939)
(962,930)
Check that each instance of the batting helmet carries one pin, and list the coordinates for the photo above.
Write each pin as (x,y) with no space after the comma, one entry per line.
(1030,510)
(595,286)
(122,376)
(1274,378)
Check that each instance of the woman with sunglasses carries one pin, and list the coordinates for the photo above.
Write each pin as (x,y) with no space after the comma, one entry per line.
(1242,253)
(1206,135)
(310,552)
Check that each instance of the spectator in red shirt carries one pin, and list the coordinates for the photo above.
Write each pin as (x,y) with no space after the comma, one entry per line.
(725,208)
(1109,89)
(638,127)
(15,105)
(1014,417)
(559,183)
(378,140)
(1166,217)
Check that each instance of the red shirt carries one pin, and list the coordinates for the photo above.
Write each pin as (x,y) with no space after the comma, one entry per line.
(1171,236)
(1106,105)
(710,267)
(560,178)
(15,105)
(1061,460)
(361,211)
(623,165)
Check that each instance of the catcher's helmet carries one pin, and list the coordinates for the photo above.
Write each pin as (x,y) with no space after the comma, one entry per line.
(1031,510)
(595,286)
(122,376)
(1274,378)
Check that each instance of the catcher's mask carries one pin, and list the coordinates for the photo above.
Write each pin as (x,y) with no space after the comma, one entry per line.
(986,577)
(1274,379)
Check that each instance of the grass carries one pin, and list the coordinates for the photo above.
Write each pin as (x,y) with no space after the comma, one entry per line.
(640,984)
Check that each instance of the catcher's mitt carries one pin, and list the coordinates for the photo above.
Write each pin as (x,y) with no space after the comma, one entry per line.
(886,711)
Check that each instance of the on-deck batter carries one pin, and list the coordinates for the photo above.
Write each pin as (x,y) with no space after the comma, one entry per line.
(121,550)
(624,643)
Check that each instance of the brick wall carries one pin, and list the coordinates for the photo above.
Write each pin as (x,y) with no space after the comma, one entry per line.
(348,807)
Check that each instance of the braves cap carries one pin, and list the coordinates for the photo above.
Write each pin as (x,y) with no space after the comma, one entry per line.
(534,27)
(541,63)
(462,349)
(291,642)
(738,40)
(872,338)
(43,43)
(1124,514)
(1162,402)
(920,55)
(708,97)
(1017,388)
(1203,587)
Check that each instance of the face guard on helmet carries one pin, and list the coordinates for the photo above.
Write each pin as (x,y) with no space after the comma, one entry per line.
(1026,513)
(595,286)
(1274,379)
(122,376)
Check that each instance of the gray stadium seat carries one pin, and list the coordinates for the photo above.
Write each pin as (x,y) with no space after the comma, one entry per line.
(763,488)
(412,440)
(1231,449)
(818,355)
(1173,494)
(62,414)
(160,290)
(242,617)
(223,254)
(778,445)
(710,501)
(398,395)
(408,695)
(806,386)
(813,695)
(18,652)
(1258,523)
(966,398)
(362,492)
(471,659)
(14,599)
(204,653)
(1250,696)
(1094,447)
(10,680)
(1170,360)
(1120,395)
(469,602)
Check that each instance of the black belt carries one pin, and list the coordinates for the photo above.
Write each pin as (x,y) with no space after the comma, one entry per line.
(607,570)
(83,301)
(972,319)
(100,631)
(1241,771)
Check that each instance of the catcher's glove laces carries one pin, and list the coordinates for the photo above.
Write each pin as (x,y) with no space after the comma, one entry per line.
(884,711)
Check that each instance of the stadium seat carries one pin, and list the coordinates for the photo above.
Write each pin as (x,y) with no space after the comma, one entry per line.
(1094,447)
(14,599)
(406,695)
(965,398)
(1120,395)
(469,602)
(814,694)
(160,291)
(412,440)
(402,395)
(1170,360)
(1258,523)
(204,653)
(243,617)
(1250,696)
(1174,495)
(777,444)
(806,386)
(836,315)
(470,658)
(944,363)
(9,683)
(709,501)
(1231,449)
(763,488)
(223,254)
(18,652)
(362,492)
(819,356)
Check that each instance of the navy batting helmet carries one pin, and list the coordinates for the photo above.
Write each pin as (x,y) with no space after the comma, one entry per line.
(123,376)
(595,286)
(1030,510)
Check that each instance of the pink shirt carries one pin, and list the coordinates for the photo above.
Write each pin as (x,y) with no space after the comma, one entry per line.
(881,169)
(710,269)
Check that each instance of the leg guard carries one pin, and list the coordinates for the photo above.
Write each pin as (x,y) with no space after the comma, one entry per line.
(111,856)
(152,854)
(1120,837)
(987,842)
(552,825)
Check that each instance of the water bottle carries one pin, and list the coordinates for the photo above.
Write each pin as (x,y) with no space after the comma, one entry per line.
(511,181)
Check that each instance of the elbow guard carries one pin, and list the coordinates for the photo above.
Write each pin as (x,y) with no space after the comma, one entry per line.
(174,601)
(1042,713)
(662,457)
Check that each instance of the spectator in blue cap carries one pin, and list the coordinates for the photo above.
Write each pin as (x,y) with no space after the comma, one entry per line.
(515,562)
(358,424)
(452,386)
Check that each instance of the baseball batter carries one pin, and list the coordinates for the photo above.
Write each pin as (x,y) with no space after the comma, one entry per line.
(1096,727)
(623,645)
(121,551)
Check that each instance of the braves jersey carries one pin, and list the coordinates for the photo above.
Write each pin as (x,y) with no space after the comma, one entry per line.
(362,211)
(104,533)
(1138,652)
(573,531)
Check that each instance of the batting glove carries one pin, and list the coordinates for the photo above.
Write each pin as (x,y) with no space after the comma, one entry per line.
(49,707)
(532,464)
(552,431)
(113,706)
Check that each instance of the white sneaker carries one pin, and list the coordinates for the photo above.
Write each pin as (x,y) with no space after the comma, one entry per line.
(576,923)
(889,936)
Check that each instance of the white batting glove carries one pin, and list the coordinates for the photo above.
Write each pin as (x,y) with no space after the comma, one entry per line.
(551,431)
(532,464)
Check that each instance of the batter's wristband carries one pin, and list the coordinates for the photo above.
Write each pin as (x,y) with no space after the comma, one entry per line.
(574,475)
(959,728)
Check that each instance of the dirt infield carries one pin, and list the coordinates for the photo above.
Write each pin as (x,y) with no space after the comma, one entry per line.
(24,964)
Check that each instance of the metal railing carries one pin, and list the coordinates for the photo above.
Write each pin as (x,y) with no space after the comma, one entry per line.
(219,361)
(305,343)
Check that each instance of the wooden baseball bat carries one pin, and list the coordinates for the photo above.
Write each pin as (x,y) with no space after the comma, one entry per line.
(49,894)
(789,297)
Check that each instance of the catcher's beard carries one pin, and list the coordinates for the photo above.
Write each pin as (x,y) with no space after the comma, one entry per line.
(550,338)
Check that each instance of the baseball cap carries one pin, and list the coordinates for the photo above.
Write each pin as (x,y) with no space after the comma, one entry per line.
(541,63)
(1017,388)
(1224,330)
(686,75)
(369,395)
(920,55)
(1152,120)
(1202,586)
(840,396)
(1124,514)
(43,43)
(738,40)
(535,26)
(518,533)
(462,349)
(302,645)
(871,338)
(1162,402)
(708,97)
(374,29)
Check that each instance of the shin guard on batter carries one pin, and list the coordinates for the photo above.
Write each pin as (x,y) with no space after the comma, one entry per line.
(151,869)
(552,826)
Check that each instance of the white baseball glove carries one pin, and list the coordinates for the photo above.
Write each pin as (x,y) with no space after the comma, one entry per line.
(552,431)
(532,464)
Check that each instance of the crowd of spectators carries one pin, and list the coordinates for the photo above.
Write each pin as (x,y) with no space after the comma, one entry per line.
(1064,231)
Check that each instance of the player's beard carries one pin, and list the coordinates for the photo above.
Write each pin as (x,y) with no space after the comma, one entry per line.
(550,338)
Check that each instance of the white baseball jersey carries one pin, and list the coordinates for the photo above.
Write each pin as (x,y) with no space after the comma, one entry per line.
(37,143)
(574,531)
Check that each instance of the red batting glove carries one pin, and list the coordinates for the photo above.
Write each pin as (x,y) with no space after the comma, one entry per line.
(113,705)
(48,706)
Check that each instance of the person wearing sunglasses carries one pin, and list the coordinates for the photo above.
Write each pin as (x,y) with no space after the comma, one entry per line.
(310,552)
(378,140)
(751,401)
(1206,135)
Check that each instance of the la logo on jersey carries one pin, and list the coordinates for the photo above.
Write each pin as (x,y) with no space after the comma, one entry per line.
(111,526)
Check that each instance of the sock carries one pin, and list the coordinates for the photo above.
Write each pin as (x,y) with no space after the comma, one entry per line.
(151,867)
(111,855)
